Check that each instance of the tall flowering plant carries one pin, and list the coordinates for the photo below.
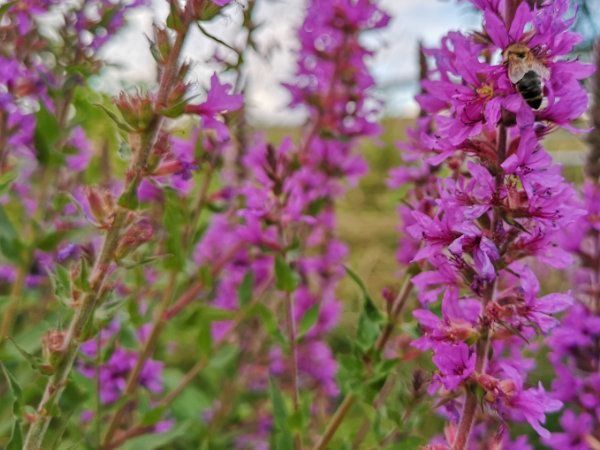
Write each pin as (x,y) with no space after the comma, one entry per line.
(488,202)
(574,344)
(283,234)
(171,233)
(169,277)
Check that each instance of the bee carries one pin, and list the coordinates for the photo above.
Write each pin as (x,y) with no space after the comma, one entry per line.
(527,73)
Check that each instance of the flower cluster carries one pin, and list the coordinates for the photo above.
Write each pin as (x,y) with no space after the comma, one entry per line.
(112,374)
(287,197)
(575,343)
(44,148)
(487,201)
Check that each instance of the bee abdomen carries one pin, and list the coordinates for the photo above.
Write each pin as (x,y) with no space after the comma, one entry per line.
(530,87)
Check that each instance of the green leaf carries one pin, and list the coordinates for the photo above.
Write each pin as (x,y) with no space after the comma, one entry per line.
(370,318)
(210,11)
(282,435)
(16,437)
(245,289)
(173,221)
(132,264)
(49,241)
(286,279)
(15,391)
(6,180)
(10,245)
(310,317)
(47,133)
(115,118)
(205,338)
(408,443)
(60,280)
(83,280)
(160,440)
(174,21)
(368,325)
(4,8)
(358,281)
(212,314)
(35,362)
(153,416)
(268,320)
(129,198)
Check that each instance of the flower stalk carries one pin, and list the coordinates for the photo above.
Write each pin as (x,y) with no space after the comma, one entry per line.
(88,304)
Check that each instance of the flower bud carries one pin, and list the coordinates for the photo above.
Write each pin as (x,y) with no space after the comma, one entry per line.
(508,387)
(53,345)
(102,205)
(176,103)
(168,168)
(137,110)
(136,234)
(161,47)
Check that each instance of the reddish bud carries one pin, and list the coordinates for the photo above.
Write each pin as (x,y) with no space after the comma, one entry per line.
(136,234)
(53,345)
(168,168)
(161,47)
(137,110)
(102,205)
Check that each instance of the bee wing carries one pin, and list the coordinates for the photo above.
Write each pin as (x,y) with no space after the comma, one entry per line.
(516,71)
(541,70)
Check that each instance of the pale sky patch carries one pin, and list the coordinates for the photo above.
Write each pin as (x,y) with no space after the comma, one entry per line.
(394,67)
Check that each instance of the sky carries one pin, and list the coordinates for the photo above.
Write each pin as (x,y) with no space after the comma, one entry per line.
(395,65)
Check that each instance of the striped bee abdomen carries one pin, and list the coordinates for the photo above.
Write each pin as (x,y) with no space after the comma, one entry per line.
(530,87)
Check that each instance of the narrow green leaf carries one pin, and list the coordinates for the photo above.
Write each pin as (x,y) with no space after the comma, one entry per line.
(60,279)
(47,132)
(14,388)
(281,433)
(153,416)
(129,198)
(370,317)
(210,11)
(16,437)
(310,317)
(173,221)
(115,118)
(10,245)
(34,361)
(5,8)
(368,325)
(286,279)
(83,280)
(212,314)
(205,337)
(268,320)
(357,280)
(6,180)
(245,289)
(174,21)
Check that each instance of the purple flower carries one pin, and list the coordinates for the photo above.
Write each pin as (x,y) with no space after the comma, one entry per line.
(486,196)
(578,429)
(456,363)
(218,101)
(80,159)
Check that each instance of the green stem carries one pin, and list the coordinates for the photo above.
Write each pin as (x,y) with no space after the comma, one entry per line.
(147,350)
(88,304)
(344,407)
